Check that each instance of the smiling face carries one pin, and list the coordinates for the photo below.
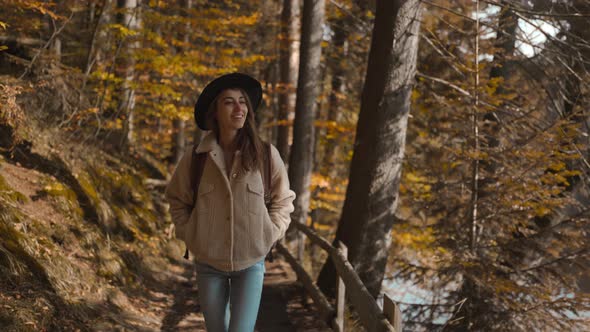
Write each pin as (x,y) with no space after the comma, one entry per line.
(232,110)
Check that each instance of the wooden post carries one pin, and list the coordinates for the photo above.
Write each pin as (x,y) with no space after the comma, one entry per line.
(320,300)
(392,312)
(370,314)
(338,323)
(300,247)
(300,254)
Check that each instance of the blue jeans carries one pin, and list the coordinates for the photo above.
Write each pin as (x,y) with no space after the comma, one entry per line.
(242,288)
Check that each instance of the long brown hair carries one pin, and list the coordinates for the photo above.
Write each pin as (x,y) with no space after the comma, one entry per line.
(247,139)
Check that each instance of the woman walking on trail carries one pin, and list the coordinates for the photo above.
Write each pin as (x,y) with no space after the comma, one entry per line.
(232,227)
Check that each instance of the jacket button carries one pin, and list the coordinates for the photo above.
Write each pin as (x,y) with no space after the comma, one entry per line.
(234,175)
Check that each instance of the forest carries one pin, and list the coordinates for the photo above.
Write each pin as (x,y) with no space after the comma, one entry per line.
(445,143)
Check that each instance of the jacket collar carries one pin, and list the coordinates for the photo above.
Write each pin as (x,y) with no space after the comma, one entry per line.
(208,143)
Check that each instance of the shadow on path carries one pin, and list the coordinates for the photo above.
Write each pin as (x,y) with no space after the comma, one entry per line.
(185,303)
(273,311)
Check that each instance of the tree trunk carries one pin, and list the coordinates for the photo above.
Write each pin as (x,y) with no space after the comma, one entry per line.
(321,116)
(501,68)
(485,176)
(578,59)
(372,193)
(94,24)
(51,26)
(338,91)
(102,43)
(490,127)
(301,157)
(130,19)
(274,133)
(570,91)
(179,140)
(289,64)
(179,125)
(579,62)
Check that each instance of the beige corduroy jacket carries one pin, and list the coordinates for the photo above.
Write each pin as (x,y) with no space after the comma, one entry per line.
(230,227)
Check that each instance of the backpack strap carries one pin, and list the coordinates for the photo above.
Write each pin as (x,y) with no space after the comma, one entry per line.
(267,172)
(197,166)
(266,179)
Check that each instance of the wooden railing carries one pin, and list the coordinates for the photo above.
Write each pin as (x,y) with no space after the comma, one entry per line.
(371,316)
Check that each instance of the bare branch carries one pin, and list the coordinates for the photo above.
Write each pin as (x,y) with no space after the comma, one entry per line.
(51,39)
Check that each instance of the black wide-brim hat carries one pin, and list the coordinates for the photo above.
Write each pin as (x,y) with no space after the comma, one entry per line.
(229,81)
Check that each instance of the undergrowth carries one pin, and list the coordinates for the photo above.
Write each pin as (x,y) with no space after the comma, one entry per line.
(62,269)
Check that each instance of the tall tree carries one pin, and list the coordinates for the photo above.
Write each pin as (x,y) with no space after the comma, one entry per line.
(301,156)
(484,170)
(129,18)
(509,265)
(337,66)
(179,124)
(102,42)
(576,59)
(575,84)
(372,193)
(288,67)
(51,27)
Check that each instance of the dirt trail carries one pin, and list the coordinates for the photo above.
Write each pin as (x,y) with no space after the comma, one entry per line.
(170,303)
(281,308)
(164,297)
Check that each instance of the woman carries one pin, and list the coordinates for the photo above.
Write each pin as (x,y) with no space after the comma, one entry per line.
(230,230)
